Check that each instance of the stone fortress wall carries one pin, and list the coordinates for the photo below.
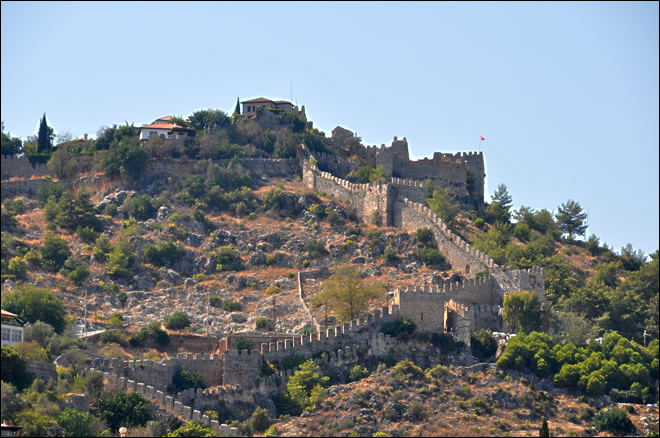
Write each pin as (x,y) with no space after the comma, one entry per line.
(464,308)
(20,167)
(459,308)
(444,169)
(240,367)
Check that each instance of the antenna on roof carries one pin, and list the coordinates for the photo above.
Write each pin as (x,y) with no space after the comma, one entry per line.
(291,93)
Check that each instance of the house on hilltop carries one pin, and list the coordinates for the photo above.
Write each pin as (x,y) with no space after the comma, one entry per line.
(12,328)
(250,106)
(165,128)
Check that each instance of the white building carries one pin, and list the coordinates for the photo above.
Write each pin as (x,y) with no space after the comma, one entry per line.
(165,128)
(12,328)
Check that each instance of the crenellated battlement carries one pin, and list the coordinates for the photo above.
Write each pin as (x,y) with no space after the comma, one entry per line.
(352,331)
(408,182)
(459,252)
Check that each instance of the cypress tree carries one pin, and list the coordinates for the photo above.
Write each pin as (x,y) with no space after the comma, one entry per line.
(237,110)
(545,431)
(43,144)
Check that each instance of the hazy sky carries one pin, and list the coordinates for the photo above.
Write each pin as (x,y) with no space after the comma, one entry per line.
(565,94)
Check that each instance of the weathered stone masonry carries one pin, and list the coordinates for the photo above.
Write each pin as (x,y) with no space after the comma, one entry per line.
(469,306)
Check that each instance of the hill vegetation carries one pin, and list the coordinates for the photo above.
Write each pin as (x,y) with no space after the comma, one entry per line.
(150,254)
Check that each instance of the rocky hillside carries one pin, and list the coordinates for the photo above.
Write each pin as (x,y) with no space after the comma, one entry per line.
(472,401)
(250,260)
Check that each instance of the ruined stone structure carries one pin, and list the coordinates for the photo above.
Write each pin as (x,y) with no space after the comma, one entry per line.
(458,309)
(239,368)
(462,173)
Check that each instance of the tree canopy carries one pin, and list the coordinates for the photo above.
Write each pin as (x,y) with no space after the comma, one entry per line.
(10,145)
(33,304)
(498,210)
(571,219)
(345,293)
(444,204)
(209,119)
(45,136)
(122,409)
(522,311)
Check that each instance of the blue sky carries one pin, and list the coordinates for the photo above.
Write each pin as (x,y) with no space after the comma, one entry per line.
(566,94)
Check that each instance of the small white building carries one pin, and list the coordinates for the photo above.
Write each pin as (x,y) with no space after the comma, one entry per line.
(165,128)
(12,328)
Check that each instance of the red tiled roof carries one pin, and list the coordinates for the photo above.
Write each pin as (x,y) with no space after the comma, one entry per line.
(283,101)
(169,126)
(5,313)
(166,118)
(159,126)
(258,100)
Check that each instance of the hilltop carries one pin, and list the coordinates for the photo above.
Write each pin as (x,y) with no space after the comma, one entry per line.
(239,224)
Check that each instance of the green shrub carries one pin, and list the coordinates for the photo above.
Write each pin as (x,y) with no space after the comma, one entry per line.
(242,343)
(272,290)
(316,248)
(163,254)
(425,237)
(231,306)
(262,323)
(357,373)
(375,218)
(398,326)
(194,428)
(184,378)
(54,252)
(86,234)
(407,368)
(479,223)
(483,344)
(390,255)
(481,406)
(333,217)
(292,361)
(102,248)
(215,301)
(17,267)
(154,331)
(76,423)
(614,420)
(72,211)
(430,256)
(417,411)
(229,259)
(13,369)
(110,210)
(438,371)
(260,420)
(113,336)
(75,270)
(115,320)
(317,210)
(177,321)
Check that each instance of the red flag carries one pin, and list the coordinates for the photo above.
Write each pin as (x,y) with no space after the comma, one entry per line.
(482,138)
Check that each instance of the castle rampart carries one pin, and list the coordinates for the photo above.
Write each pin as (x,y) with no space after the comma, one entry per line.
(360,330)
(12,166)
(411,216)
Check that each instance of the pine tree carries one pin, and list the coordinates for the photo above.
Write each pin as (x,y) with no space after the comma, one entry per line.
(44,142)
(571,219)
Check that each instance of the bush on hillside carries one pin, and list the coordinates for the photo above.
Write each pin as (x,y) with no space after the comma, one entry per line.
(614,420)
(177,321)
